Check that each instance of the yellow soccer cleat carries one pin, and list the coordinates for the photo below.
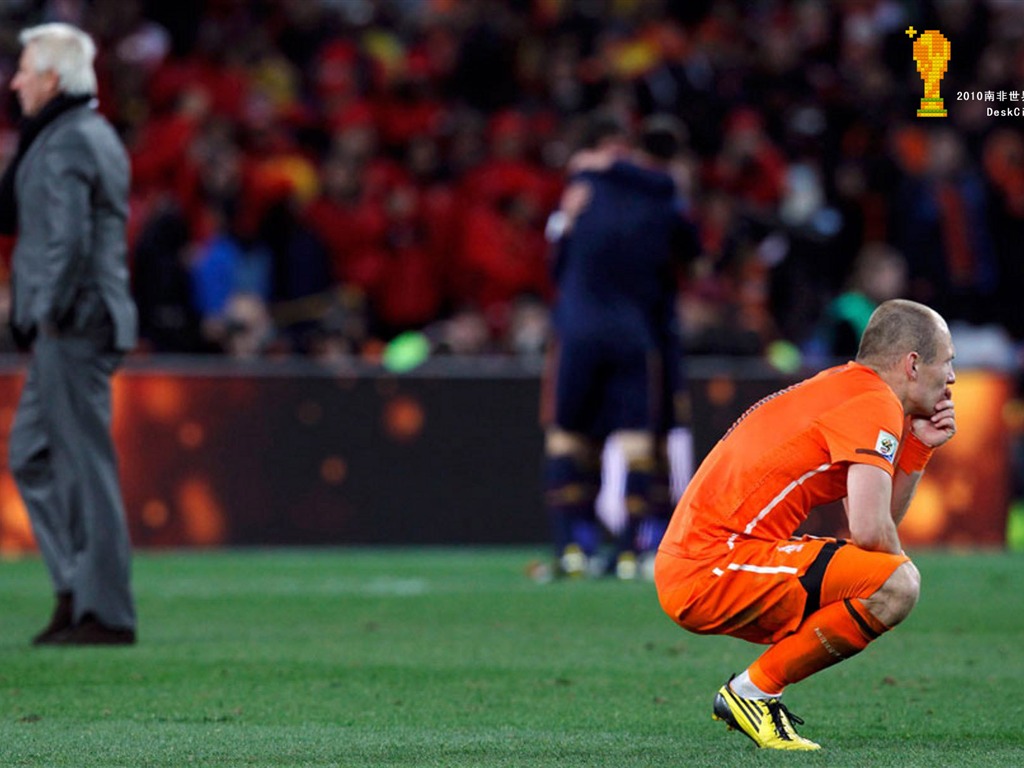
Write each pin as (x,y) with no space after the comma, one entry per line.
(766,722)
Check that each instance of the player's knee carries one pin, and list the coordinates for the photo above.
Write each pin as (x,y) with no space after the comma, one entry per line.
(559,442)
(26,466)
(636,445)
(896,598)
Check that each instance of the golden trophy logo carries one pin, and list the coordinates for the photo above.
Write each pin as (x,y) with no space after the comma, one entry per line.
(931,52)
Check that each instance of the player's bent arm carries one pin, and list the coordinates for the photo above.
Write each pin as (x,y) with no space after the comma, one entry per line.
(924,436)
(869,494)
(903,486)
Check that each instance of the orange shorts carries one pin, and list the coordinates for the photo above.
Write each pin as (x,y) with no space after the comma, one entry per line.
(761,591)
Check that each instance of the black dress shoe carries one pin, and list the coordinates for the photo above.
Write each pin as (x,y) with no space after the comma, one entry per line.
(90,631)
(59,622)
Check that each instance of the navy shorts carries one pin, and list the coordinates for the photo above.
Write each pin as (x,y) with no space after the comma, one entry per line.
(601,387)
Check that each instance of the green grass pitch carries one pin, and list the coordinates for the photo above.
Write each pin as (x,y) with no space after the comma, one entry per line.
(452,657)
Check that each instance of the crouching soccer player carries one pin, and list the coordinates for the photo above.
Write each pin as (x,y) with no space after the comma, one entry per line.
(862,432)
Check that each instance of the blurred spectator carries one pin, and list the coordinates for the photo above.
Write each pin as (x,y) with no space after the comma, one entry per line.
(168,320)
(1004,169)
(940,222)
(879,274)
(300,269)
(749,167)
(409,293)
(348,222)
(162,143)
(232,259)
(465,332)
(501,256)
(248,329)
(529,327)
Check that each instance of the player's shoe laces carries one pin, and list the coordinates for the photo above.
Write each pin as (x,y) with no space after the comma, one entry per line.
(766,722)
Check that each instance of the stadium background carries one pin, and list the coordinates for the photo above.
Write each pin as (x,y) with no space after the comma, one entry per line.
(314,179)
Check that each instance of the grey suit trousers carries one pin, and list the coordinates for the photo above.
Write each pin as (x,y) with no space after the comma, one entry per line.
(63,461)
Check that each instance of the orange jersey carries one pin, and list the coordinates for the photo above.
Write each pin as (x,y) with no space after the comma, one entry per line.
(788,453)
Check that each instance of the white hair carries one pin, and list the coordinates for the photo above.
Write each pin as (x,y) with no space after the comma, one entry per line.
(67,51)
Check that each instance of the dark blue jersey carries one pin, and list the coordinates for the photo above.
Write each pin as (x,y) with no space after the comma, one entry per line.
(616,271)
(615,307)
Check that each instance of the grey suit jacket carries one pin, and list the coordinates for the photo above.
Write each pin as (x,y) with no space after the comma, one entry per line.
(70,260)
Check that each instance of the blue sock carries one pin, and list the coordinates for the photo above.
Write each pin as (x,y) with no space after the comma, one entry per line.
(638,503)
(570,490)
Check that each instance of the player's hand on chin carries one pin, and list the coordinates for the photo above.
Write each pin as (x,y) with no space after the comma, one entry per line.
(937,429)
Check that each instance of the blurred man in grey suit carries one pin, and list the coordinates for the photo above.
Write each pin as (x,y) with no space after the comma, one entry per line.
(65,197)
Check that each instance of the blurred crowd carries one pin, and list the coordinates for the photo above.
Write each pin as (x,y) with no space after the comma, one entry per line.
(319,176)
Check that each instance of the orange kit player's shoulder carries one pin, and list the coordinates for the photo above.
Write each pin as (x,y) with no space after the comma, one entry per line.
(798,406)
(864,423)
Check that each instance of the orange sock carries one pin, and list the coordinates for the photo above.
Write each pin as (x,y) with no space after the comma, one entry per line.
(835,632)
